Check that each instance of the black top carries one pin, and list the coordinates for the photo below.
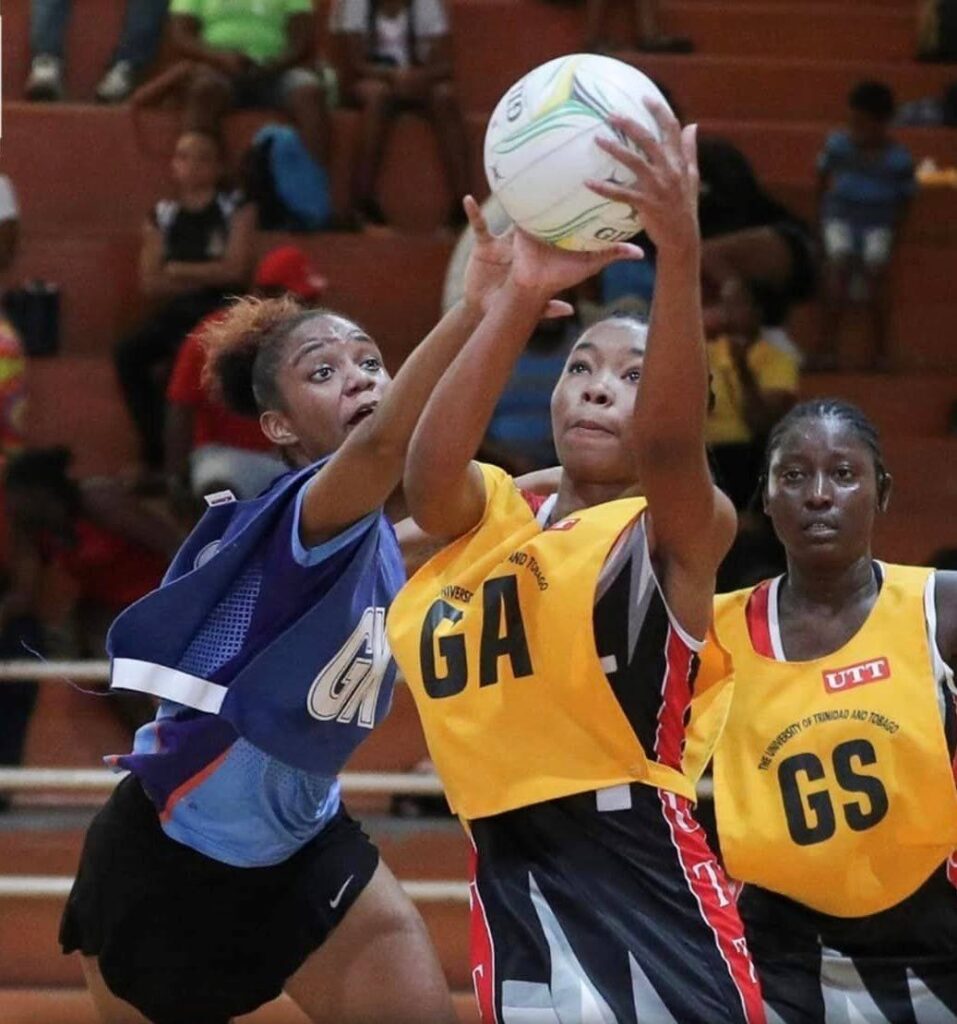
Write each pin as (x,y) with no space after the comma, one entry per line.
(196,236)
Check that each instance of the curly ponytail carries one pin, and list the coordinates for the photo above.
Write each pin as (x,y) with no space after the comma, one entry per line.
(244,348)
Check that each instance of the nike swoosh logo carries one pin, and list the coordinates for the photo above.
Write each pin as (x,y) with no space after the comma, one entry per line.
(333,903)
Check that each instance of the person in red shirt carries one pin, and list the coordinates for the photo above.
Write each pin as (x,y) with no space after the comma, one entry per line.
(209,448)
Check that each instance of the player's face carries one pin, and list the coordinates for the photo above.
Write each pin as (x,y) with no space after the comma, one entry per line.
(822,492)
(593,402)
(331,379)
(196,162)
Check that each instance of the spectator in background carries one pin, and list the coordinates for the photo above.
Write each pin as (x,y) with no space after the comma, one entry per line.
(519,437)
(648,35)
(753,384)
(937,30)
(251,53)
(139,40)
(197,248)
(865,185)
(747,236)
(208,447)
(399,58)
(111,547)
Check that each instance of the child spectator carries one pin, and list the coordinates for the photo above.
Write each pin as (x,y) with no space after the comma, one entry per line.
(648,35)
(208,447)
(865,184)
(197,248)
(251,53)
(139,39)
(753,383)
(399,58)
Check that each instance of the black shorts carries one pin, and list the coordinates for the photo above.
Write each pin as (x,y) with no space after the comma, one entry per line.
(895,967)
(184,937)
(603,907)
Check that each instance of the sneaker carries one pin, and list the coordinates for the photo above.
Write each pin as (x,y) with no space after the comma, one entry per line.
(45,81)
(117,84)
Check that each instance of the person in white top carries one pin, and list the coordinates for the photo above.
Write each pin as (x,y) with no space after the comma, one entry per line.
(399,58)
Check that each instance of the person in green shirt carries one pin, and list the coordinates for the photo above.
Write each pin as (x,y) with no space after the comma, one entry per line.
(251,53)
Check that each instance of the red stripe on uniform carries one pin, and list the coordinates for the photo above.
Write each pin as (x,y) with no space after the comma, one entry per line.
(675,698)
(482,947)
(707,883)
(759,622)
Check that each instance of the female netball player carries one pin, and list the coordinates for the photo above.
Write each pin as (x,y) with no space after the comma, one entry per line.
(834,780)
(225,868)
(552,648)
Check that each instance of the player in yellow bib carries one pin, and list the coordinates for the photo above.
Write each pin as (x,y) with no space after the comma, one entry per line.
(552,652)
(834,777)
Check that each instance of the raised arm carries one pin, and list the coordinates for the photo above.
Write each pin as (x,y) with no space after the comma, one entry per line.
(443,487)
(693,523)
(368,467)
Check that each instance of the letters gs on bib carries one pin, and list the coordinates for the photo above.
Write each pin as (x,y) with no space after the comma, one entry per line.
(444,659)
(809,798)
(347,688)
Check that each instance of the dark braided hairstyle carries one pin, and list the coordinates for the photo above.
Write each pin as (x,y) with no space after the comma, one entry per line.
(244,349)
(836,409)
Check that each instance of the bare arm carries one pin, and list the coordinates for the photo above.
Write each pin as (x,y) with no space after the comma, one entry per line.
(762,407)
(187,42)
(155,283)
(110,506)
(234,268)
(359,66)
(443,487)
(693,523)
(300,40)
(368,467)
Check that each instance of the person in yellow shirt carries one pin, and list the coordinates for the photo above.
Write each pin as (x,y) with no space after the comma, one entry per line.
(754,384)
(834,776)
(552,647)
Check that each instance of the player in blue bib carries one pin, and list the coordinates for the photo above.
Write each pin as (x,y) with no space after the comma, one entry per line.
(224,869)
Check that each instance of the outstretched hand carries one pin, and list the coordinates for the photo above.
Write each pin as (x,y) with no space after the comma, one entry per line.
(665,191)
(492,259)
(548,270)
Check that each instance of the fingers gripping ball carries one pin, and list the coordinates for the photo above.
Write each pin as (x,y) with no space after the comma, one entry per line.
(540,149)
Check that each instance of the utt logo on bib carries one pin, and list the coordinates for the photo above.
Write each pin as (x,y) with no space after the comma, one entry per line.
(841,679)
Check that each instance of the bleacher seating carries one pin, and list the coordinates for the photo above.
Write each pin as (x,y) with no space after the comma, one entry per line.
(771,75)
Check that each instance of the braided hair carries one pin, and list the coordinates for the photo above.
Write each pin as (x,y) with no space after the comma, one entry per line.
(843,412)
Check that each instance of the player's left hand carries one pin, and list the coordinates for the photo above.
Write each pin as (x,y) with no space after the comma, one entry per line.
(490,262)
(665,191)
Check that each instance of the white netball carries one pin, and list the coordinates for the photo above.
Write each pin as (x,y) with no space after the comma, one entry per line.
(540,149)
